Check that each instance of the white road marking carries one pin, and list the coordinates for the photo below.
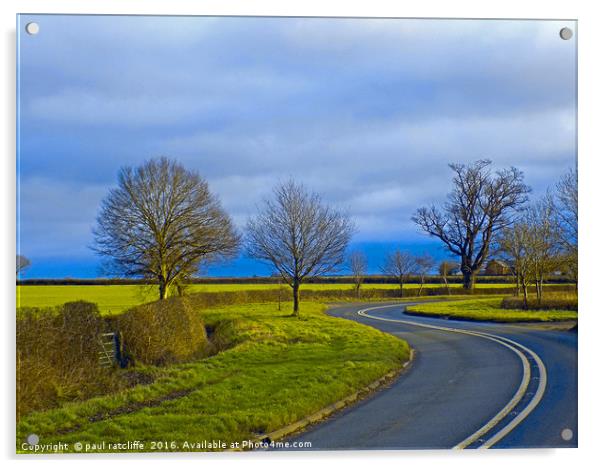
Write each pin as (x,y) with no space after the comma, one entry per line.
(522,389)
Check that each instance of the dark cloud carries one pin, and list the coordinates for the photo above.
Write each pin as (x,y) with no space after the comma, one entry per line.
(367,112)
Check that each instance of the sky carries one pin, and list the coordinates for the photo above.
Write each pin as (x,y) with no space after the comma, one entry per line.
(366,112)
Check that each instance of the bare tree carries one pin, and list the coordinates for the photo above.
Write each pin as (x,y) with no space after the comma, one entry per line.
(299,235)
(22,263)
(358,264)
(445,268)
(160,222)
(566,210)
(543,241)
(532,247)
(514,244)
(399,265)
(424,264)
(480,204)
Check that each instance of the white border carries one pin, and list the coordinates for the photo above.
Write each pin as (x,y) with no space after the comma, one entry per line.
(590,127)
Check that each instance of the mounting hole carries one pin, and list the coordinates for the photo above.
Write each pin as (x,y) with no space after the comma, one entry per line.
(566,434)
(32,28)
(566,33)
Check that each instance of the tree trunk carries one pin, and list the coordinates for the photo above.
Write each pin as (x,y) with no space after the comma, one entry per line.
(296,298)
(357,289)
(468,279)
(525,295)
(162,289)
(517,292)
(279,294)
(400,288)
(539,290)
(421,285)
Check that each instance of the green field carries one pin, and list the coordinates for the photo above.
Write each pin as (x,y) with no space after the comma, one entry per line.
(117,298)
(272,370)
(277,370)
(488,309)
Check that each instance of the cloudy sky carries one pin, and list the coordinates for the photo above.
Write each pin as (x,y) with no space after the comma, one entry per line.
(366,112)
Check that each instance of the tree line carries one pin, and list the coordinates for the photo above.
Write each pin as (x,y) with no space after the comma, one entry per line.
(543,239)
(488,213)
(162,223)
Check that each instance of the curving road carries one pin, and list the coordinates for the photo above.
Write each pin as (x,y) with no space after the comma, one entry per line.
(471,385)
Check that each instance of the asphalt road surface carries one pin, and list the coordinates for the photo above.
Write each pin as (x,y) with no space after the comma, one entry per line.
(471,385)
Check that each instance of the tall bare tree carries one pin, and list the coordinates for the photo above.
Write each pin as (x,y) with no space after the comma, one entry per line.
(22,263)
(399,265)
(358,264)
(424,264)
(567,214)
(481,204)
(299,235)
(159,222)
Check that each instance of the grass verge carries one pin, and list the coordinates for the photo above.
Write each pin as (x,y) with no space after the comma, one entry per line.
(274,370)
(488,309)
(550,301)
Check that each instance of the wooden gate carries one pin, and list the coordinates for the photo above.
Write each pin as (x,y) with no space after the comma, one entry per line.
(106,355)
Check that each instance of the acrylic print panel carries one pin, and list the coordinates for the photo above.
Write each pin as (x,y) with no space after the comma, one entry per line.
(219,216)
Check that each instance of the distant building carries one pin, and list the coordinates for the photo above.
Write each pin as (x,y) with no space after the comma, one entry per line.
(497,268)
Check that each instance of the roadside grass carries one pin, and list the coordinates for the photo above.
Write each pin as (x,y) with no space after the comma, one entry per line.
(488,309)
(274,370)
(549,301)
(113,299)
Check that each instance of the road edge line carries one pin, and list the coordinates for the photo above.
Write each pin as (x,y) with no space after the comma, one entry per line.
(509,406)
(543,380)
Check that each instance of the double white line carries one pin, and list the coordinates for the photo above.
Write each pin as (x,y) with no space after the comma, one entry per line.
(521,351)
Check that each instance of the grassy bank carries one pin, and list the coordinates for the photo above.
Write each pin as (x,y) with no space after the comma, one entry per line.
(273,371)
(550,301)
(488,309)
(117,298)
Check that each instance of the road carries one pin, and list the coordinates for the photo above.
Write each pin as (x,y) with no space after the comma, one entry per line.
(515,387)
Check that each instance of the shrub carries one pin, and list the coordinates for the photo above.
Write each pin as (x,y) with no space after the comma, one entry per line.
(162,332)
(57,356)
